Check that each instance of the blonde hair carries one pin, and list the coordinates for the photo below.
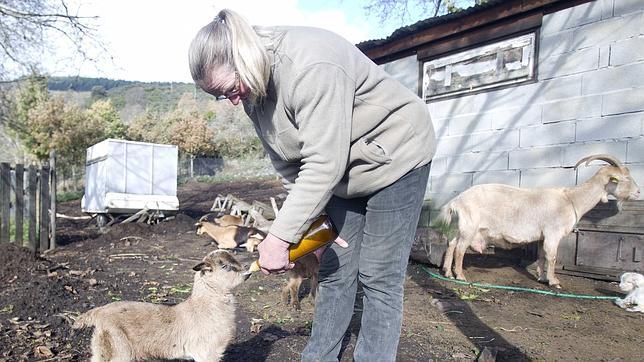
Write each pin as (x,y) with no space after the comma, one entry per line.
(229,41)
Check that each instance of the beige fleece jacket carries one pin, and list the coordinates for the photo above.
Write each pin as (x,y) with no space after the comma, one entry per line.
(334,123)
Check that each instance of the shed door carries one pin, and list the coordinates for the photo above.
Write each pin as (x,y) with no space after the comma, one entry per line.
(611,250)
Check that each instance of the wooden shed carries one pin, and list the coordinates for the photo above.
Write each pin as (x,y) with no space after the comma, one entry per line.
(519,91)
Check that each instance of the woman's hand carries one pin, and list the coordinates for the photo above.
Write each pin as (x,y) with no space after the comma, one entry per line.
(273,255)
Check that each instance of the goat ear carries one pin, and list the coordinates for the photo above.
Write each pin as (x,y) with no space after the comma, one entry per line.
(202,266)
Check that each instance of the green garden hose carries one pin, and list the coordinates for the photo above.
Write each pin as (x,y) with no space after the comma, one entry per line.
(518,289)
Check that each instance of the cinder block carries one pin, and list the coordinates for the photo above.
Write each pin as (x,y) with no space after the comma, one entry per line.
(576,152)
(623,126)
(439,166)
(440,125)
(607,31)
(548,177)
(571,18)
(549,134)
(451,182)
(627,51)
(628,6)
(607,8)
(535,158)
(637,173)
(502,140)
(453,145)
(490,101)
(438,199)
(635,150)
(483,161)
(476,142)
(584,173)
(612,79)
(468,124)
(623,102)
(559,88)
(574,62)
(459,106)
(604,56)
(509,177)
(517,117)
(573,108)
(555,44)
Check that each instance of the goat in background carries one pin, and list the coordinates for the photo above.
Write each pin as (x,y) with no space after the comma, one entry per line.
(504,215)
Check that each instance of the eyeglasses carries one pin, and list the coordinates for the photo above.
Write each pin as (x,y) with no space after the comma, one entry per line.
(232,92)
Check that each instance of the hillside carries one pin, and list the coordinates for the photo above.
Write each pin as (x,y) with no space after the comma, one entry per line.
(130,98)
(135,99)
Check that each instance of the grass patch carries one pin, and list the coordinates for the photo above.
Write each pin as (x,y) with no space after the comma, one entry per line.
(449,230)
(69,196)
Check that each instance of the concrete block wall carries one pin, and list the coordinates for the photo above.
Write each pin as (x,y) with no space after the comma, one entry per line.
(588,98)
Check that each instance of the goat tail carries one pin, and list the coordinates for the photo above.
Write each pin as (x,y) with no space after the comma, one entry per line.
(446,213)
(86,319)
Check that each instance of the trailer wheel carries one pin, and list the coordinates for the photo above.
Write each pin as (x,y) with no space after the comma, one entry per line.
(101,220)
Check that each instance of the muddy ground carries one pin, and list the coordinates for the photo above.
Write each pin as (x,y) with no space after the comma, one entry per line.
(443,321)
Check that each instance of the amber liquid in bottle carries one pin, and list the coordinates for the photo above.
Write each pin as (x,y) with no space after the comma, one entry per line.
(320,233)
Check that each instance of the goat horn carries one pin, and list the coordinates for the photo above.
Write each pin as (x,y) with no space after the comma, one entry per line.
(603,157)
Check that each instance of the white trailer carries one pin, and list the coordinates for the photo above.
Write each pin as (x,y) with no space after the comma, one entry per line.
(125,177)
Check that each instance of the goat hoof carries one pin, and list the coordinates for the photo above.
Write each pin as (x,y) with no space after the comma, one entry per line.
(556,286)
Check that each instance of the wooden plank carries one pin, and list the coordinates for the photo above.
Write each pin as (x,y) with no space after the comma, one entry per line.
(20,204)
(608,217)
(52,198)
(5,192)
(400,47)
(32,188)
(477,37)
(44,208)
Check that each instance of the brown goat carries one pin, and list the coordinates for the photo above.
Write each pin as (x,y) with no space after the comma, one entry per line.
(228,237)
(305,267)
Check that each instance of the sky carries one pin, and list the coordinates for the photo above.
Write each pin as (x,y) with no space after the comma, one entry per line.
(148,40)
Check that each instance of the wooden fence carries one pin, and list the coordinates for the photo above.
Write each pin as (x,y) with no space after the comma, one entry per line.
(28,205)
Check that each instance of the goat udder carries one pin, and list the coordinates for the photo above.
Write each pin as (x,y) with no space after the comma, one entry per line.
(478,245)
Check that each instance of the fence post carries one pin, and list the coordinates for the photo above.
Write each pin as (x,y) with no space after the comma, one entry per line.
(32,188)
(52,198)
(20,204)
(5,192)
(44,208)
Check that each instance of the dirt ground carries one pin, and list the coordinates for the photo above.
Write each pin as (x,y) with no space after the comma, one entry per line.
(443,321)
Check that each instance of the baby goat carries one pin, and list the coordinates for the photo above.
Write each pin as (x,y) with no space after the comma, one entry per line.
(506,215)
(232,236)
(633,284)
(198,328)
(305,267)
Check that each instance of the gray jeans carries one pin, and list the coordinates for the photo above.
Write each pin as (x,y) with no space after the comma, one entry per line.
(379,229)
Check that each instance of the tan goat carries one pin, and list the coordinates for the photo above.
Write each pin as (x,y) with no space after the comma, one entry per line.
(230,237)
(199,328)
(505,215)
(305,267)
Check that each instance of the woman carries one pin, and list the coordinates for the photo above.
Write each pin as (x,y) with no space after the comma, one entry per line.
(348,140)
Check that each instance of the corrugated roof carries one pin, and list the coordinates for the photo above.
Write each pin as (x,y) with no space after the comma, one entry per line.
(426,24)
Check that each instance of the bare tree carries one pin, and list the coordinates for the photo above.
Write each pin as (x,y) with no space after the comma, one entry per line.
(406,11)
(31,30)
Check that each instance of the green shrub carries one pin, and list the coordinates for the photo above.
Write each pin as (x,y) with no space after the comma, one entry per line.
(69,196)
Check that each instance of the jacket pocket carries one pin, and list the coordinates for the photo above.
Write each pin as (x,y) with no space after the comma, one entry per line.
(373,151)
